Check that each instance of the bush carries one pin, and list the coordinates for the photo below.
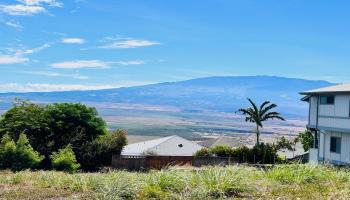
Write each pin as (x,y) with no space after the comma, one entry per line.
(18,156)
(241,153)
(261,153)
(205,152)
(221,151)
(307,139)
(65,160)
(284,143)
(99,153)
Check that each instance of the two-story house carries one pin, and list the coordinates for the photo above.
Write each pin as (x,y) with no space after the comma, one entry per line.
(329,120)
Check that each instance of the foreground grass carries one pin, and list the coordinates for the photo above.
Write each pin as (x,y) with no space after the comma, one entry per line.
(283,182)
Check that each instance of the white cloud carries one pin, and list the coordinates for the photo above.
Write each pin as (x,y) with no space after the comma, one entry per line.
(126,43)
(55,74)
(29,7)
(21,10)
(12,59)
(73,40)
(33,50)
(14,24)
(75,64)
(51,3)
(45,87)
(131,62)
(17,55)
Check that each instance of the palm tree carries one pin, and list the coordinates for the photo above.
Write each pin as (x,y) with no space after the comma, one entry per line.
(259,115)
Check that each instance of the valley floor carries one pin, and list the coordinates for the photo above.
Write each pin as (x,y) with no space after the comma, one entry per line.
(284,182)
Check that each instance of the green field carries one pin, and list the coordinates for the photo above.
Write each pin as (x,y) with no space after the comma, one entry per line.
(236,182)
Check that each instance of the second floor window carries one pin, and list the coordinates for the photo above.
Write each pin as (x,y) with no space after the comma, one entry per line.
(327,100)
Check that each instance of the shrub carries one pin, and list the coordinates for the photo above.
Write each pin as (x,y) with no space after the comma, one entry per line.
(263,153)
(221,151)
(241,153)
(260,153)
(284,143)
(205,152)
(306,138)
(65,160)
(99,152)
(18,156)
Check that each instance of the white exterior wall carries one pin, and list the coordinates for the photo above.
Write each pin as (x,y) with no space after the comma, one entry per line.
(171,147)
(324,149)
(331,116)
(313,155)
(313,110)
(331,120)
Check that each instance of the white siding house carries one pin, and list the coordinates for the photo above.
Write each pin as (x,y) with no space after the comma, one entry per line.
(329,120)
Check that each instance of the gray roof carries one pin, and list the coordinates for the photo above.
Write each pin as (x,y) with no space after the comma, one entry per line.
(341,88)
(163,146)
(140,138)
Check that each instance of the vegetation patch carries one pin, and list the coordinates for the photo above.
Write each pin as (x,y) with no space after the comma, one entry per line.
(282,181)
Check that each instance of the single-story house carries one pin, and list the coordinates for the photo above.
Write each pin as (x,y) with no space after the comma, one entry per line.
(166,146)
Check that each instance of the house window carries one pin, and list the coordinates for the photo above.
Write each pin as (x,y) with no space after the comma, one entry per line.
(335,144)
(327,100)
(316,142)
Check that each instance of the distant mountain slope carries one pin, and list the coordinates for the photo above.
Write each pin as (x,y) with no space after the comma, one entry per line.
(212,93)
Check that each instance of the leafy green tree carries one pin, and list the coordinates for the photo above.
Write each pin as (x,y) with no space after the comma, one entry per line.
(54,126)
(258,115)
(74,124)
(18,156)
(306,138)
(65,160)
(29,119)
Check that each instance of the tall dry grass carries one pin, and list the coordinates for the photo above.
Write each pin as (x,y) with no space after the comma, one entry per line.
(283,181)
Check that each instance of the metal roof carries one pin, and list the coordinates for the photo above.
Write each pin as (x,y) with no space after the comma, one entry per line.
(341,88)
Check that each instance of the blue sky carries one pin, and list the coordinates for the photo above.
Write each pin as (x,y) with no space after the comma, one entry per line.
(50,45)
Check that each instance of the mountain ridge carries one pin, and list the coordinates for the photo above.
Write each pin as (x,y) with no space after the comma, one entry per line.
(217,93)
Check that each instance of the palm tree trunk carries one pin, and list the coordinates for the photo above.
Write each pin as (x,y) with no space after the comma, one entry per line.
(257,134)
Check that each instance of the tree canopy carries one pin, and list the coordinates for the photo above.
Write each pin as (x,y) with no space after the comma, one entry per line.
(54,126)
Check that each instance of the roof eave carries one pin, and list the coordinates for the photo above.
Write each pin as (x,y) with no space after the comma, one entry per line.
(324,92)
(305,98)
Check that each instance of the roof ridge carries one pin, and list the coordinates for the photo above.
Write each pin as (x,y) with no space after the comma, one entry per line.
(168,138)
